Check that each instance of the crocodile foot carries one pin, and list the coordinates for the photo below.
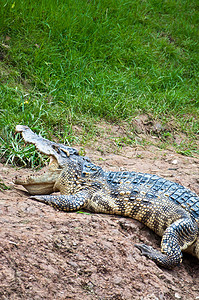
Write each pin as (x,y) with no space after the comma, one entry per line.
(158,257)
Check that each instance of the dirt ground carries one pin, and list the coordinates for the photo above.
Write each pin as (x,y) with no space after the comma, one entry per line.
(48,254)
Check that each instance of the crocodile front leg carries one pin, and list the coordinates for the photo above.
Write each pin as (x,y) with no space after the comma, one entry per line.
(65,202)
(178,236)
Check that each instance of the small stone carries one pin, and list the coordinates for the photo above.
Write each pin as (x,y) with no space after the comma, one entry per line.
(73,264)
(174,162)
(177,296)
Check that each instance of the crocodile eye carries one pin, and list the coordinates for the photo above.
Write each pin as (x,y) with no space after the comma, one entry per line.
(55,147)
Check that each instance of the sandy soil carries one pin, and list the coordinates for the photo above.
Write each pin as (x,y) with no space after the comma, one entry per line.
(47,254)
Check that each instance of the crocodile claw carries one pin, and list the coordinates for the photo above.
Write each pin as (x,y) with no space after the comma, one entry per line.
(145,250)
(39,198)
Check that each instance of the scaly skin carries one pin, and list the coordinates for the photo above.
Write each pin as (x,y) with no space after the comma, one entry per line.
(169,209)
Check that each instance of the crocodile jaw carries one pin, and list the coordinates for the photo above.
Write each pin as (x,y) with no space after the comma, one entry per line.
(41,184)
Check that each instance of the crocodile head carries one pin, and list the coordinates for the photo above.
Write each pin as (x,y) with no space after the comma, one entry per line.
(59,154)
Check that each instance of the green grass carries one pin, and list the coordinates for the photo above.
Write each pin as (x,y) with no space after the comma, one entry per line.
(76,62)
(3,186)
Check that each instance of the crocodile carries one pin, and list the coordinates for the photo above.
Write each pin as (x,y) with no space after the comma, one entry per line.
(166,207)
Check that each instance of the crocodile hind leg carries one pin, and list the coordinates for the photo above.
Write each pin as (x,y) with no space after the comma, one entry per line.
(177,237)
(64,202)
